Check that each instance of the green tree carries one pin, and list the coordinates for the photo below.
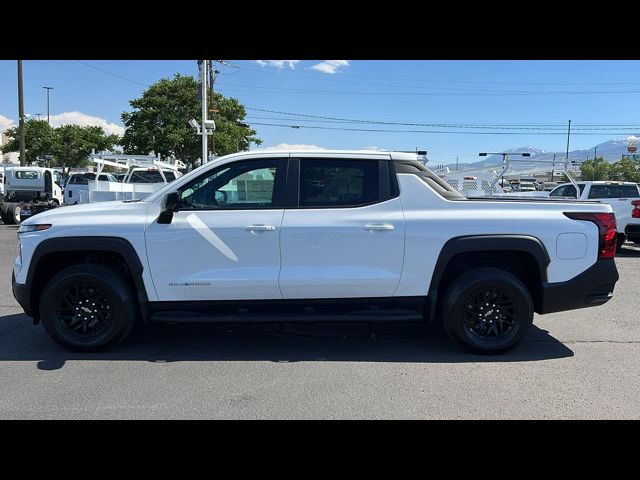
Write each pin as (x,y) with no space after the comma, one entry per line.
(38,140)
(625,170)
(72,144)
(159,122)
(595,169)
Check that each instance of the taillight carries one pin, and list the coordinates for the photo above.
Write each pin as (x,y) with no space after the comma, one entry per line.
(606,223)
(635,213)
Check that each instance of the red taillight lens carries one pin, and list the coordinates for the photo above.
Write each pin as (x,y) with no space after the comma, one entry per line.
(635,213)
(606,223)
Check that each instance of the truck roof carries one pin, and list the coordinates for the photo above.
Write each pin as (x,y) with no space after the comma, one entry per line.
(598,182)
(393,155)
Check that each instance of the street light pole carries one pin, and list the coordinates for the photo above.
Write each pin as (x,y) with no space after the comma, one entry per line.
(23,155)
(48,89)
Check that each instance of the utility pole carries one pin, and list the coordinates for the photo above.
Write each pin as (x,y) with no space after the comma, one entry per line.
(595,150)
(456,164)
(202,64)
(213,110)
(568,136)
(48,89)
(23,156)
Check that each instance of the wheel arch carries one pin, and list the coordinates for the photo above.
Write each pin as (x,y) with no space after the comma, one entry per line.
(509,252)
(82,248)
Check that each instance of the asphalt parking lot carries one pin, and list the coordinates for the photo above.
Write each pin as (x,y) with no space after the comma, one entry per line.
(573,365)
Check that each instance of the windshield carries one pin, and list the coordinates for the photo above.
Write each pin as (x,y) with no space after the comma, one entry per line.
(151,176)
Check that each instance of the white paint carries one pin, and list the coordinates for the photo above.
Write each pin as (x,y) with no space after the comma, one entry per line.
(211,237)
(315,253)
(571,245)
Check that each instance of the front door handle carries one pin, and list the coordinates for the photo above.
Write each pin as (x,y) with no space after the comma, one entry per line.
(378,227)
(259,228)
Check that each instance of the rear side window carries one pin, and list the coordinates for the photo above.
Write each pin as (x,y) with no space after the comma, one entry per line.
(629,191)
(338,183)
(604,191)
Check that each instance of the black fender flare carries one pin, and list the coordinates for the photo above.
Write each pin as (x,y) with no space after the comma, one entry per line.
(109,244)
(485,243)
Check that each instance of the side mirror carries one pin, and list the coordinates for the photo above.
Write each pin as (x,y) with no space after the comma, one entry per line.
(171,204)
(172,201)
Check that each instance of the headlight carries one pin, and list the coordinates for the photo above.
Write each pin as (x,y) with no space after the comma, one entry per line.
(33,227)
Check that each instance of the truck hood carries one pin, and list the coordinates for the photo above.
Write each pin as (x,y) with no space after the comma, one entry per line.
(99,213)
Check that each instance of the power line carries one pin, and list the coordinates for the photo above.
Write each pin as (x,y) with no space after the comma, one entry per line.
(541,126)
(317,118)
(316,127)
(111,73)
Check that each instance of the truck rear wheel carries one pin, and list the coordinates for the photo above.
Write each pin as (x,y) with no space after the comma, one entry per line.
(10,213)
(88,307)
(14,214)
(487,310)
(3,212)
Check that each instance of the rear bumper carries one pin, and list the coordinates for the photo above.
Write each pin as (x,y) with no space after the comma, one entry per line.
(592,287)
(21,294)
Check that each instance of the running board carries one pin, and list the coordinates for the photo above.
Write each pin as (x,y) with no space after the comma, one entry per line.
(182,317)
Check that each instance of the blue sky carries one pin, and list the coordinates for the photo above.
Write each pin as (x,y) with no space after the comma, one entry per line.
(470,93)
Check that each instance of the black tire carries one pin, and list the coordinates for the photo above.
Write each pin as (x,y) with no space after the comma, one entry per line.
(8,217)
(621,238)
(3,212)
(636,241)
(492,332)
(113,306)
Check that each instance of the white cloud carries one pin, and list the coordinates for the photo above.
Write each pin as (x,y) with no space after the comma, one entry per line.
(289,146)
(330,66)
(278,63)
(5,123)
(82,119)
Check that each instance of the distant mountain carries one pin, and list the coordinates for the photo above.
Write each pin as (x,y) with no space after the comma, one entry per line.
(612,151)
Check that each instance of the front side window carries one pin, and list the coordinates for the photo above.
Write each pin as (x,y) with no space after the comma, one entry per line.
(242,185)
(338,183)
(567,191)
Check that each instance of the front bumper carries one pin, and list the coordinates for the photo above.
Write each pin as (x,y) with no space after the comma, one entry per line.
(592,287)
(21,294)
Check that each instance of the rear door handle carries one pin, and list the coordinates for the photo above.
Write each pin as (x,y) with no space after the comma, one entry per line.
(378,227)
(259,228)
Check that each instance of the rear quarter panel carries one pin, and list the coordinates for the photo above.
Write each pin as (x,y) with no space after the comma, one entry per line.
(431,221)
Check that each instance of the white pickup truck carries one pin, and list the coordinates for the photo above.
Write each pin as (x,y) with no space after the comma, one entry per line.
(620,195)
(321,235)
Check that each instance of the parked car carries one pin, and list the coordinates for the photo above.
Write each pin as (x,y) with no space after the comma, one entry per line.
(527,187)
(78,184)
(313,236)
(28,191)
(620,195)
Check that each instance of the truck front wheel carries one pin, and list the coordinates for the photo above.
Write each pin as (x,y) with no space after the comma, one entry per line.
(487,310)
(88,307)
